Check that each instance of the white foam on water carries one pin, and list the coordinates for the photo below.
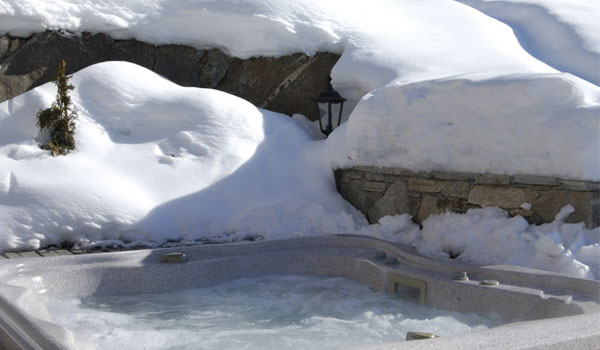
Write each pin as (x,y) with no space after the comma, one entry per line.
(270,312)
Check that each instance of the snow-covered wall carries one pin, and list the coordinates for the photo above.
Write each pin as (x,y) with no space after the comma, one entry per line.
(532,124)
(378,192)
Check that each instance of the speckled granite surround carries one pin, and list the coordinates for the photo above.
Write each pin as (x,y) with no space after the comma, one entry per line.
(565,311)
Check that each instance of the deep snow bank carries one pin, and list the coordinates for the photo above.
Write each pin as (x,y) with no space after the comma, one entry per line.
(157,161)
(403,43)
(408,44)
(517,124)
(564,34)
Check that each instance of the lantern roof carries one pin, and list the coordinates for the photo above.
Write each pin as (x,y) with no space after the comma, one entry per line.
(330,95)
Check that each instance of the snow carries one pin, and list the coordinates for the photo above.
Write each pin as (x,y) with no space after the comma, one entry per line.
(157,161)
(490,236)
(563,33)
(432,51)
(431,84)
(517,124)
(526,206)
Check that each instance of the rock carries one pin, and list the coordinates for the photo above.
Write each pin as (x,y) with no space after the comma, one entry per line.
(549,203)
(489,179)
(503,197)
(258,77)
(461,206)
(14,85)
(36,61)
(14,45)
(425,185)
(413,205)
(344,176)
(180,64)
(579,185)
(374,186)
(534,180)
(376,193)
(393,201)
(134,51)
(403,172)
(286,84)
(354,193)
(299,89)
(381,170)
(4,45)
(355,175)
(521,212)
(429,206)
(457,175)
(375,177)
(456,189)
(368,169)
(528,215)
(214,68)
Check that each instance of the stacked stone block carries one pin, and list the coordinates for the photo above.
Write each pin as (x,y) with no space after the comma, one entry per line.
(378,192)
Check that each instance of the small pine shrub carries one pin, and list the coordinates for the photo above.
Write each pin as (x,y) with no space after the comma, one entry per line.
(59,119)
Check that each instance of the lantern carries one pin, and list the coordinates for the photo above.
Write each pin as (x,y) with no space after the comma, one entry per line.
(330,104)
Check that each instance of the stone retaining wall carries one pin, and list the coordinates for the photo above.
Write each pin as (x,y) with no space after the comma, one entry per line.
(286,84)
(384,191)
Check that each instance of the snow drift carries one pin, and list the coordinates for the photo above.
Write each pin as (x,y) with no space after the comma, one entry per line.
(408,44)
(564,34)
(157,161)
(544,124)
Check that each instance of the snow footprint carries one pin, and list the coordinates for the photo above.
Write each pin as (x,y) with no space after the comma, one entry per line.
(185,144)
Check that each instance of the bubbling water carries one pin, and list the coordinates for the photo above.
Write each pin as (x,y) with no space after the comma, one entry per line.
(270,312)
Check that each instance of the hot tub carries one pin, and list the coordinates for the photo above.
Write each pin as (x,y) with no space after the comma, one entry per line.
(552,311)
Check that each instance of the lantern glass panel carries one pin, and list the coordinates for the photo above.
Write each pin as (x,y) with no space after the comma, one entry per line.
(325,122)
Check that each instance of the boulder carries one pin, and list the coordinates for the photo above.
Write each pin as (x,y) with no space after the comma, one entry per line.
(4,45)
(307,81)
(287,84)
(35,61)
(393,201)
(134,51)
(215,65)
(180,64)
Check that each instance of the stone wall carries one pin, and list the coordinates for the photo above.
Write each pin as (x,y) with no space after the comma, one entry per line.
(286,84)
(383,191)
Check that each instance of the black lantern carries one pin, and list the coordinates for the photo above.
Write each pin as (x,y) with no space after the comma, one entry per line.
(329,101)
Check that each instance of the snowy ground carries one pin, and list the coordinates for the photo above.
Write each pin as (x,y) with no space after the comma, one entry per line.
(433,85)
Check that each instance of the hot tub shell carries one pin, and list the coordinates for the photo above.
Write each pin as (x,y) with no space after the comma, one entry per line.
(556,311)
